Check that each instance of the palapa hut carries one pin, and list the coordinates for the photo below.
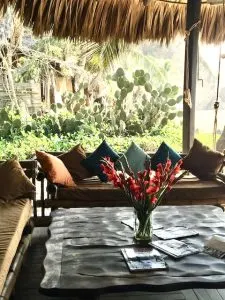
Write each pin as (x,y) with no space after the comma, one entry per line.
(129,20)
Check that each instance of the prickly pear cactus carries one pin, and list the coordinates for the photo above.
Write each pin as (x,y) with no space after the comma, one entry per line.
(140,106)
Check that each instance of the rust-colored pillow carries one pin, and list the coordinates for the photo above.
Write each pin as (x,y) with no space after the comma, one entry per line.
(14,183)
(72,160)
(55,169)
(202,161)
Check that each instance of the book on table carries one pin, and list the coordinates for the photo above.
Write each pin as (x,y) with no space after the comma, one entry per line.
(215,246)
(174,233)
(175,248)
(143,259)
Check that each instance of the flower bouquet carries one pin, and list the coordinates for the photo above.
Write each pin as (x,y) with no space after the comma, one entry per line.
(145,191)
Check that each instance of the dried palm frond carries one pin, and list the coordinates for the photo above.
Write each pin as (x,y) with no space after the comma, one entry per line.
(128,20)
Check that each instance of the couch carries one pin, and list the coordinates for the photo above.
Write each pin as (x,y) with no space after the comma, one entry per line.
(92,192)
(15,233)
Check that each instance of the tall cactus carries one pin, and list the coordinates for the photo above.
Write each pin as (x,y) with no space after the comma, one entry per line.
(150,107)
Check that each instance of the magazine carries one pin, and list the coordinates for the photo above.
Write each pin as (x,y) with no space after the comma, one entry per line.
(174,233)
(175,248)
(143,259)
(215,246)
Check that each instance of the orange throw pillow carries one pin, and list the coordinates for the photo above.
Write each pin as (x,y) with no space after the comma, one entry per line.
(55,169)
(72,160)
(13,181)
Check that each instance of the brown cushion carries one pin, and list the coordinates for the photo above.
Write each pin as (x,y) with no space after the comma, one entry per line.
(203,162)
(13,181)
(91,192)
(72,160)
(55,169)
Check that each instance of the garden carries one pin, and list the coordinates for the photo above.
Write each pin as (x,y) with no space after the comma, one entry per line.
(111,98)
(135,112)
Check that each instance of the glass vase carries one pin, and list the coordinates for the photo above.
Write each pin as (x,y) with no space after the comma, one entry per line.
(143,228)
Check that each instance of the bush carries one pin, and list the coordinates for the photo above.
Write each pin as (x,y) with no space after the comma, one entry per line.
(23,146)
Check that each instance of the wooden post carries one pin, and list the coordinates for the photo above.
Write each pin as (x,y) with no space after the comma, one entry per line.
(193,16)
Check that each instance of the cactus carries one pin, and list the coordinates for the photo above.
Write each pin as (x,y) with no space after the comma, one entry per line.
(154,107)
(17,123)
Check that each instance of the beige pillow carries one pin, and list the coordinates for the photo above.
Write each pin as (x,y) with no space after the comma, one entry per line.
(72,160)
(14,183)
(55,169)
(202,161)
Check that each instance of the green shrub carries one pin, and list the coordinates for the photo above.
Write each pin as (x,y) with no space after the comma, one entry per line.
(23,146)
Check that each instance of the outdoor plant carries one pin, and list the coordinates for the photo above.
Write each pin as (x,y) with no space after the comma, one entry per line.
(139,106)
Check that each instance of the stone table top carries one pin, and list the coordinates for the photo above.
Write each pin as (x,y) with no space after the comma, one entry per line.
(84,251)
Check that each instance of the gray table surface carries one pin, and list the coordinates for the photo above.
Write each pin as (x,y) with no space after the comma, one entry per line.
(83,252)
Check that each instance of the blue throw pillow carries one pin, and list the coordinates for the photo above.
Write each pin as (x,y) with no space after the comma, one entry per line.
(161,155)
(135,157)
(93,161)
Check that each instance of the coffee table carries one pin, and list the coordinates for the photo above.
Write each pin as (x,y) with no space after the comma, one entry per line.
(84,259)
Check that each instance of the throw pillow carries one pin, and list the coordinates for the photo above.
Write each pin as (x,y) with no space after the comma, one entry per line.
(93,161)
(134,158)
(203,162)
(14,182)
(55,169)
(72,160)
(164,151)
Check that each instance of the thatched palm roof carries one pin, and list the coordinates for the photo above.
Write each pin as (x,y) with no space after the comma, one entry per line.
(130,20)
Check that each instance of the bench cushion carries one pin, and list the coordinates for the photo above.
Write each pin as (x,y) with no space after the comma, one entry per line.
(13,218)
(92,192)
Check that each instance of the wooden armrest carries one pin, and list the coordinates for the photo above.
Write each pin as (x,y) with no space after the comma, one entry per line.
(40,176)
(52,189)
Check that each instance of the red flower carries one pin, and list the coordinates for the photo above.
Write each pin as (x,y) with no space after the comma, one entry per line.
(147,189)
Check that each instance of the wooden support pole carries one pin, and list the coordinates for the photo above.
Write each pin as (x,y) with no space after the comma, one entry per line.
(193,16)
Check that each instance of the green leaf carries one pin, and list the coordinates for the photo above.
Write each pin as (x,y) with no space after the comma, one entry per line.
(130,87)
(123,93)
(179,99)
(59,105)
(167,91)
(120,83)
(98,119)
(165,108)
(141,80)
(120,72)
(147,77)
(172,102)
(148,87)
(17,123)
(164,122)
(117,94)
(101,136)
(172,116)
(154,93)
(175,89)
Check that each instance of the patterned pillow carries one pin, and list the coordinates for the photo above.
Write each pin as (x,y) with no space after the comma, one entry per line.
(164,151)
(203,162)
(55,169)
(14,182)
(93,161)
(72,160)
(134,158)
